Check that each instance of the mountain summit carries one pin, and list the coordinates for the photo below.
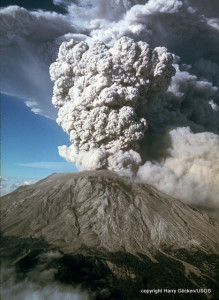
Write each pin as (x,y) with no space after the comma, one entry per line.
(130,234)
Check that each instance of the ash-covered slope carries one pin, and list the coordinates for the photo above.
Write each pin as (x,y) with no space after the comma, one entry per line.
(143,237)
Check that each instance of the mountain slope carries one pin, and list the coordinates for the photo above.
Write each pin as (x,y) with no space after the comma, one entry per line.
(143,237)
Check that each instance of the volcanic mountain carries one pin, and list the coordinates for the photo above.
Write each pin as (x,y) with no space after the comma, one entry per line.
(117,238)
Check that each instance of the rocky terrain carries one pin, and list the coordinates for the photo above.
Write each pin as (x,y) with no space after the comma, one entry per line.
(115,237)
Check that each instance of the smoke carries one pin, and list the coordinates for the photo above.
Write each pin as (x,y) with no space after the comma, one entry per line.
(173,24)
(99,92)
(121,114)
(127,109)
(190,170)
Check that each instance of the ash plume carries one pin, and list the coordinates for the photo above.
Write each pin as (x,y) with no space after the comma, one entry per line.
(168,133)
(99,92)
(170,137)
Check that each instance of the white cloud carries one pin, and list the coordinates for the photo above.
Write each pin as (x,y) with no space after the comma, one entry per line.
(9,184)
(39,282)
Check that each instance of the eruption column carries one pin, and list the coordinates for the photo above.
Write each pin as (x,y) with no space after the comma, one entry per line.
(99,92)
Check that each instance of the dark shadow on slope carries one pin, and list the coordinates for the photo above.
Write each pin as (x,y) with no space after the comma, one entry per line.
(119,275)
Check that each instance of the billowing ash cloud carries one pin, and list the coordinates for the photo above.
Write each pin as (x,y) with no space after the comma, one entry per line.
(189,169)
(32,38)
(178,153)
(99,92)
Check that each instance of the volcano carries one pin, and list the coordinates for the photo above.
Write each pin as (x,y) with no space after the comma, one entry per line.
(117,238)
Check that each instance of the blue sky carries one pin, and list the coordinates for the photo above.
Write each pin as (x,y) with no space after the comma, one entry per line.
(29,142)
